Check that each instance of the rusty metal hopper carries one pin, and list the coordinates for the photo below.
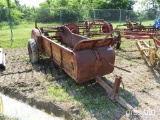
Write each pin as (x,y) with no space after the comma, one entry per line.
(82,58)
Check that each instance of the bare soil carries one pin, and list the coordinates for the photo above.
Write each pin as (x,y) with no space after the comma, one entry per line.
(22,80)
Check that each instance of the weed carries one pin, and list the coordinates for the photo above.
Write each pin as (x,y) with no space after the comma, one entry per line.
(26,59)
(41,80)
(49,77)
(57,92)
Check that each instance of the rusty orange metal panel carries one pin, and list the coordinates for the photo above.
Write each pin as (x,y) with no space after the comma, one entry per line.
(92,63)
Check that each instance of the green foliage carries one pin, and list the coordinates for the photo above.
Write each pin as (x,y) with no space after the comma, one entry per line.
(9,12)
(58,93)
(151,14)
(71,10)
(114,4)
(2,4)
(2,12)
(70,15)
(46,14)
(16,16)
(66,10)
(27,59)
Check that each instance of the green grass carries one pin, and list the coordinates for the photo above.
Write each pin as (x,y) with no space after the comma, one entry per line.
(21,34)
(56,91)
(26,59)
(70,92)
(149,22)
(145,23)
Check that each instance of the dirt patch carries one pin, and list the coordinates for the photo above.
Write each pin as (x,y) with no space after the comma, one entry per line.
(29,83)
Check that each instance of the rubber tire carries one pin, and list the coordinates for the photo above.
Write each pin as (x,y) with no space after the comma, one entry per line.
(33,51)
(118,45)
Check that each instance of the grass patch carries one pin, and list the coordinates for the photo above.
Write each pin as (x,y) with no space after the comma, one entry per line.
(41,80)
(21,34)
(58,92)
(88,99)
(26,59)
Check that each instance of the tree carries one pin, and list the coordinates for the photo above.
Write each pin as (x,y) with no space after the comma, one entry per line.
(17,2)
(114,4)
(9,18)
(2,13)
(150,4)
(151,7)
(88,4)
(10,13)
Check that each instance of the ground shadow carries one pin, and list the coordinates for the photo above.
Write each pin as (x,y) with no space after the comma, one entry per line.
(90,94)
(2,68)
(155,74)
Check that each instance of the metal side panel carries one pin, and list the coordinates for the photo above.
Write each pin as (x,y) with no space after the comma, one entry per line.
(94,62)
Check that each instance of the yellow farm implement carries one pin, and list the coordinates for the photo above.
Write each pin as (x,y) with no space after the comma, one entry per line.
(151,54)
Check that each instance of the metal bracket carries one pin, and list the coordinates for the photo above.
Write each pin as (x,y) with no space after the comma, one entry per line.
(114,96)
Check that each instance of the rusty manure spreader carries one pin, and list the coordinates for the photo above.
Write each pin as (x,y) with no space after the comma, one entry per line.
(80,57)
